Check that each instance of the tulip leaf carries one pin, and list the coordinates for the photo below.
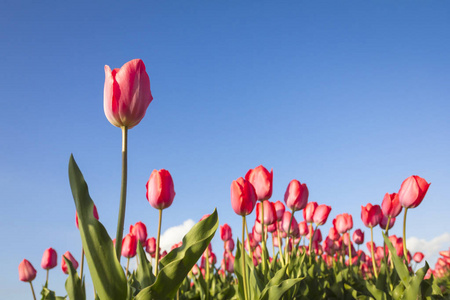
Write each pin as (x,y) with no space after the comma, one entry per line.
(413,291)
(74,287)
(106,272)
(238,269)
(275,292)
(176,265)
(50,295)
(400,267)
(144,271)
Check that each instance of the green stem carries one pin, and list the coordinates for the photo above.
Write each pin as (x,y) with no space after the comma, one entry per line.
(157,243)
(405,253)
(128,264)
(263,248)
(286,249)
(372,253)
(244,269)
(273,247)
(349,249)
(386,233)
(280,248)
(123,193)
(32,290)
(82,263)
(46,278)
(311,238)
(248,241)
(207,274)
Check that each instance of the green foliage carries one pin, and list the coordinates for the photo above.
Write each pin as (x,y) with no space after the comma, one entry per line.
(74,286)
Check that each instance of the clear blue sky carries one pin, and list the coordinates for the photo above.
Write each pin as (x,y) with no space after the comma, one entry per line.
(349,97)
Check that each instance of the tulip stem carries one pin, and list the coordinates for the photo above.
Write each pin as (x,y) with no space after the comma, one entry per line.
(32,290)
(157,243)
(248,241)
(46,278)
(128,264)
(349,250)
(372,253)
(405,253)
(123,193)
(244,267)
(82,263)
(264,258)
(280,247)
(286,249)
(207,273)
(384,243)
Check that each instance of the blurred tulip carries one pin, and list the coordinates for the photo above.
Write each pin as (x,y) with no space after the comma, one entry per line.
(126,94)
(285,223)
(317,236)
(129,245)
(94,212)
(229,245)
(321,214)
(412,191)
(371,215)
(279,208)
(333,233)
(72,259)
(343,222)
(27,272)
(391,206)
(303,228)
(358,237)
(418,257)
(49,259)
(150,246)
(160,189)
(261,180)
(296,195)
(243,197)
(270,215)
(308,212)
(140,231)
(225,232)
(272,227)
(384,220)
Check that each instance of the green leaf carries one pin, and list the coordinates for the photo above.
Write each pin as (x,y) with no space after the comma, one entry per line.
(176,265)
(106,272)
(74,288)
(238,269)
(376,293)
(275,292)
(144,271)
(413,291)
(400,267)
(49,295)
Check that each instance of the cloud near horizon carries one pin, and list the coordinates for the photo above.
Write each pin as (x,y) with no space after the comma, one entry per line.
(430,248)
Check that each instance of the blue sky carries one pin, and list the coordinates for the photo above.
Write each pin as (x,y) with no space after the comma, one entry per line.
(348,97)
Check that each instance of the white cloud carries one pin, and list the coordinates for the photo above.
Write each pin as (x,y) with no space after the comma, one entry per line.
(175,234)
(429,248)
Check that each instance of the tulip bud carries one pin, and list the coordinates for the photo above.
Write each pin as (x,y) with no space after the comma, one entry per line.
(358,237)
(243,197)
(126,94)
(279,208)
(229,245)
(270,215)
(412,191)
(49,259)
(308,212)
(371,215)
(27,272)
(303,228)
(72,259)
(225,232)
(383,222)
(418,257)
(262,181)
(343,222)
(285,223)
(150,246)
(140,231)
(160,189)
(129,245)
(296,196)
(321,214)
(391,206)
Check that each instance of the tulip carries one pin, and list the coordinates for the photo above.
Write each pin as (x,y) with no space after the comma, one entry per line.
(296,195)
(150,246)
(412,191)
(303,228)
(343,222)
(289,223)
(391,206)
(371,215)
(229,245)
(272,227)
(358,237)
(27,273)
(140,231)
(270,215)
(262,181)
(129,245)
(321,214)
(279,208)
(308,212)
(126,94)
(243,197)
(72,259)
(49,261)
(384,222)
(418,257)
(225,232)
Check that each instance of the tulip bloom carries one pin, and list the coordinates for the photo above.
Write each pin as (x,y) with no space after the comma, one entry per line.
(150,246)
(358,237)
(129,245)
(126,94)
(225,232)
(296,195)
(303,228)
(412,191)
(160,189)
(308,212)
(72,259)
(418,257)
(140,231)
(343,222)
(333,234)
(27,272)
(243,197)
(270,215)
(384,221)
(321,214)
(262,181)
(279,208)
(285,223)
(371,215)
(49,259)
(391,206)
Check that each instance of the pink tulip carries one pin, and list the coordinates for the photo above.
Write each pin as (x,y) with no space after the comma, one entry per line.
(72,259)
(243,197)
(140,231)
(129,245)
(262,181)
(94,212)
(321,214)
(270,215)
(343,222)
(272,227)
(333,234)
(279,208)
(391,206)
(383,222)
(49,259)
(412,191)
(285,223)
(229,245)
(418,257)
(126,94)
(225,232)
(308,212)
(27,272)
(371,215)
(296,196)
(358,237)
(303,228)
(150,246)
(160,189)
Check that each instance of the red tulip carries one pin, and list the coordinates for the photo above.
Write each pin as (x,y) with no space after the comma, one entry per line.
(321,214)
(129,245)
(391,206)
(272,227)
(140,231)
(383,222)
(225,232)
(72,259)
(160,189)
(358,237)
(243,197)
(150,246)
(270,215)
(279,208)
(343,222)
(27,272)
(285,223)
(418,257)
(229,245)
(308,212)
(303,228)
(371,215)
(262,181)
(333,234)
(126,94)
(412,191)
(317,235)
(94,212)
(296,196)
(49,259)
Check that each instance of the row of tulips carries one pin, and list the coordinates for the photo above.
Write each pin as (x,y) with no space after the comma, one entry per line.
(315,269)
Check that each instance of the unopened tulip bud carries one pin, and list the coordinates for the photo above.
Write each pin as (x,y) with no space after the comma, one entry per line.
(27,272)
(262,181)
(160,189)
(72,259)
(140,231)
(49,259)
(296,195)
(412,191)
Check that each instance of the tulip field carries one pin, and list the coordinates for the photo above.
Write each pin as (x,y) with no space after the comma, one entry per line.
(303,262)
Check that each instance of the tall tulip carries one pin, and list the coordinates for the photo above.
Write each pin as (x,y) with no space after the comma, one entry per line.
(296,195)
(126,97)
(160,195)
(129,247)
(225,232)
(343,222)
(140,231)
(371,215)
(321,214)
(308,212)
(262,181)
(49,261)
(27,273)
